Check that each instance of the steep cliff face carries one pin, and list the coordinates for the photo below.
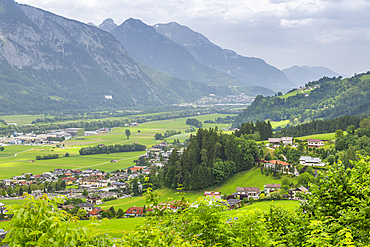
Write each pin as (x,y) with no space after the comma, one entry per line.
(67,61)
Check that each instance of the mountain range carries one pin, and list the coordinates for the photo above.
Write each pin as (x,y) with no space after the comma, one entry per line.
(48,62)
(303,74)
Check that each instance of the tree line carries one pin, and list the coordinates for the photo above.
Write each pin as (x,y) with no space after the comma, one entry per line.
(321,126)
(209,158)
(195,122)
(47,157)
(168,133)
(107,149)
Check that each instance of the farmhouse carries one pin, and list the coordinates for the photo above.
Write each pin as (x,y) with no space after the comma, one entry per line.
(283,140)
(87,206)
(248,191)
(293,192)
(315,143)
(135,211)
(271,188)
(215,194)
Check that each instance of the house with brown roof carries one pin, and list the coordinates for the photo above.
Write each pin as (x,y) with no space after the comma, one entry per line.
(268,188)
(248,192)
(94,200)
(272,163)
(293,192)
(315,143)
(283,140)
(95,212)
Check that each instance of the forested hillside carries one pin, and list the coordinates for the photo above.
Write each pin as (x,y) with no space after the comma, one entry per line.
(210,158)
(332,97)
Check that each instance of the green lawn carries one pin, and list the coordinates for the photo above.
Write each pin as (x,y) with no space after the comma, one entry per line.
(265,206)
(282,123)
(21,119)
(327,136)
(252,178)
(285,96)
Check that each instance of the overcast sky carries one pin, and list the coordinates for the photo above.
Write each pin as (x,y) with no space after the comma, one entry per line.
(332,33)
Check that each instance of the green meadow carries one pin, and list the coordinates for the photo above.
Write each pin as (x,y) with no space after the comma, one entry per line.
(282,123)
(21,119)
(327,136)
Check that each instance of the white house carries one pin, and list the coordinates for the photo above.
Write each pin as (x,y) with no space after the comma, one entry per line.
(250,191)
(315,143)
(310,161)
(271,188)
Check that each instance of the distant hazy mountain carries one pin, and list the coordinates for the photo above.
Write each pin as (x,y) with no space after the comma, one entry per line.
(248,70)
(300,75)
(148,47)
(107,25)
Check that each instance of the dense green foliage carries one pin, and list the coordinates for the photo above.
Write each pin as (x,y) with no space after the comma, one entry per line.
(47,157)
(39,223)
(210,158)
(335,97)
(321,126)
(259,131)
(168,133)
(194,122)
(117,148)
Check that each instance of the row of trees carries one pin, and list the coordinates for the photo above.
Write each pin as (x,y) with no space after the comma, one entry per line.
(47,157)
(209,158)
(194,122)
(321,126)
(168,133)
(117,148)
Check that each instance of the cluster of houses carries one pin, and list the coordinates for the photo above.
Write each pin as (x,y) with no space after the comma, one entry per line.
(276,142)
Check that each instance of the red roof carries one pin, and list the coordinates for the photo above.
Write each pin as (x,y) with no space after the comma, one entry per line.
(211,193)
(96,211)
(135,168)
(278,162)
(139,210)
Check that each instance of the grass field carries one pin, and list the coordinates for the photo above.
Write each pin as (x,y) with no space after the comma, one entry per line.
(21,119)
(246,179)
(285,96)
(327,136)
(282,124)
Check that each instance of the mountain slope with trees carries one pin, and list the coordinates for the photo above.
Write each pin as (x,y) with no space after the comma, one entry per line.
(332,97)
